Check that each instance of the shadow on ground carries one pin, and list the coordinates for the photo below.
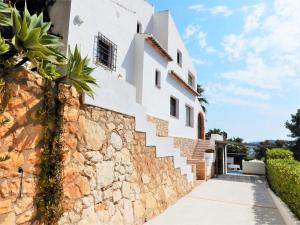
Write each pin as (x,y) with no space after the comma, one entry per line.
(264,209)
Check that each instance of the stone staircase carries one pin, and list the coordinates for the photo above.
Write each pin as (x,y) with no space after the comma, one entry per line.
(111,96)
(199,151)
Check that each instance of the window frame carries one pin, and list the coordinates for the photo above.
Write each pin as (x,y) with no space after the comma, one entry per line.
(179,58)
(139,27)
(176,107)
(189,116)
(157,79)
(111,54)
(193,79)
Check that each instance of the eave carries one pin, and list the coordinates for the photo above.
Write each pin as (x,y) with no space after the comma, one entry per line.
(182,83)
(158,48)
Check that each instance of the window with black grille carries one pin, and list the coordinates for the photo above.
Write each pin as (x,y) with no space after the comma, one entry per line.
(106,52)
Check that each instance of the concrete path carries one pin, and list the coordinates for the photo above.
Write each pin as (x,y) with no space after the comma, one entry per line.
(228,200)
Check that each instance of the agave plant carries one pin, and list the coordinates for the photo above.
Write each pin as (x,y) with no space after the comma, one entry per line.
(49,71)
(31,38)
(4,47)
(32,42)
(5,14)
(79,73)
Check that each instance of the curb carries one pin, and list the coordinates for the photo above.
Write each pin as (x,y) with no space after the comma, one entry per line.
(287,215)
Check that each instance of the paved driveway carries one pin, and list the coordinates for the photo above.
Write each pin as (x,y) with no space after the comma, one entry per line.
(228,200)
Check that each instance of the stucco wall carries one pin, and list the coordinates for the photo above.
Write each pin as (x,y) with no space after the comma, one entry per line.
(122,15)
(136,60)
(157,100)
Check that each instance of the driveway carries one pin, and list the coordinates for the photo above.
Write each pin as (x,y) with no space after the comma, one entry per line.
(227,200)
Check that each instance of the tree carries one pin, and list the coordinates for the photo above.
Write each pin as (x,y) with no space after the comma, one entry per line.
(202,100)
(262,147)
(237,146)
(294,127)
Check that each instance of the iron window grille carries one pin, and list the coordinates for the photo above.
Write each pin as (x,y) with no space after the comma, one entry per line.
(106,52)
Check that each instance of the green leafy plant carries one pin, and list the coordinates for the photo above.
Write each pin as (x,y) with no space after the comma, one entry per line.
(294,126)
(4,47)
(202,100)
(279,153)
(284,179)
(5,14)
(79,73)
(32,43)
(31,38)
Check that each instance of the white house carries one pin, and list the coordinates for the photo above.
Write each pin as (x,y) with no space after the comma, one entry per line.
(142,65)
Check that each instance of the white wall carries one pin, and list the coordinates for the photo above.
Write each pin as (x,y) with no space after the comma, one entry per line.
(175,43)
(136,60)
(60,17)
(161,27)
(117,20)
(157,101)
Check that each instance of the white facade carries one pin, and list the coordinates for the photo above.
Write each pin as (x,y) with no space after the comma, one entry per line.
(133,80)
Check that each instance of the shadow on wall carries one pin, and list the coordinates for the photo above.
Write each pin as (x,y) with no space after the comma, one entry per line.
(23,125)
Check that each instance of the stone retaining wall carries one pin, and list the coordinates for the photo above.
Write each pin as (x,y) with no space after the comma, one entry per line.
(110,176)
(162,126)
(20,139)
(186,146)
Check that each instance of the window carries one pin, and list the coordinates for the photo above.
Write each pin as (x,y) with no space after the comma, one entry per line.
(189,112)
(106,52)
(139,27)
(179,58)
(191,80)
(157,78)
(174,107)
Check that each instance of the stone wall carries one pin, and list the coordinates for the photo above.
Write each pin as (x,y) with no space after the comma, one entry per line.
(20,139)
(162,126)
(111,177)
(186,146)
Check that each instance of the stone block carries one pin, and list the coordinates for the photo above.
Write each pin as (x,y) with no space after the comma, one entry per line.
(105,173)
(5,206)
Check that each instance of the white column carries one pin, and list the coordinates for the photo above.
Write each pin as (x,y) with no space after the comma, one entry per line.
(225,159)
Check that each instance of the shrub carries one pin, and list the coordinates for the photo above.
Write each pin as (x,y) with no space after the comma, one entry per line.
(284,179)
(249,158)
(279,153)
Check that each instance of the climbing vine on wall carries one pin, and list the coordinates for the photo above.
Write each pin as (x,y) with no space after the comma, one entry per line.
(49,198)
(32,46)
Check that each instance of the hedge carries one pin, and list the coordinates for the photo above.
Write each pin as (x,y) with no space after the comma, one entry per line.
(279,153)
(284,179)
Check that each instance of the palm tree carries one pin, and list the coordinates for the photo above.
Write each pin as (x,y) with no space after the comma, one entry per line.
(202,100)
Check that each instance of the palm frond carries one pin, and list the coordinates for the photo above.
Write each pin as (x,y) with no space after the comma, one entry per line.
(202,100)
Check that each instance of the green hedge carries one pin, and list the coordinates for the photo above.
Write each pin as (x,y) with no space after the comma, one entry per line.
(284,179)
(279,153)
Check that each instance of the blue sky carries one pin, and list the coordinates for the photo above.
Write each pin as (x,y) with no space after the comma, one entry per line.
(247,54)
